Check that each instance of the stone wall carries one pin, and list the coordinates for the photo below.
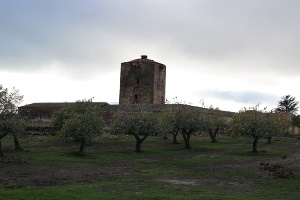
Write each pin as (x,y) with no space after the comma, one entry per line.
(159,84)
(109,110)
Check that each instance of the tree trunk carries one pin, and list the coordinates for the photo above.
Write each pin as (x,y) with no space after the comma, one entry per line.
(213,135)
(269,140)
(1,152)
(139,142)
(255,144)
(82,145)
(138,146)
(175,139)
(17,144)
(2,135)
(186,136)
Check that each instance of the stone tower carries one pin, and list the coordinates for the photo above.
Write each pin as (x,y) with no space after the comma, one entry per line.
(142,81)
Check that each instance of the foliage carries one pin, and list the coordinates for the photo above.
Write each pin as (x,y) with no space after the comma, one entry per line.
(81,121)
(288,104)
(257,124)
(212,123)
(296,120)
(187,119)
(190,121)
(80,107)
(12,123)
(9,100)
(169,124)
(184,119)
(9,121)
(137,123)
(275,124)
(170,119)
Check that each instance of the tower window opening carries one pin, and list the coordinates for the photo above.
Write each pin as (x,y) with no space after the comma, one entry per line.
(137,81)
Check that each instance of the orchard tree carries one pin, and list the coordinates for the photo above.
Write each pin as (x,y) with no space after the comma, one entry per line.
(161,128)
(288,104)
(184,119)
(19,128)
(171,118)
(190,122)
(275,124)
(170,123)
(10,123)
(212,123)
(138,123)
(81,120)
(257,124)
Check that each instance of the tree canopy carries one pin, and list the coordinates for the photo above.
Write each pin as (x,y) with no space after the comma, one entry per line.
(81,121)
(187,120)
(212,123)
(138,123)
(184,119)
(288,104)
(9,120)
(257,124)
(169,123)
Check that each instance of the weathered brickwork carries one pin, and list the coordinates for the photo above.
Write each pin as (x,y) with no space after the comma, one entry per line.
(142,81)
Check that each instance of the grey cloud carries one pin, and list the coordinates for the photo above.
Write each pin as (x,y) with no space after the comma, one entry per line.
(91,35)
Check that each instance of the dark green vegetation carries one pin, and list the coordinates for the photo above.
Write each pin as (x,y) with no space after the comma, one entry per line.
(81,121)
(110,170)
(288,104)
(140,124)
(257,123)
(296,120)
(189,120)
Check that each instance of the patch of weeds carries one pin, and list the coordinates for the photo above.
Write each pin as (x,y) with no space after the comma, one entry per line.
(14,160)
(278,170)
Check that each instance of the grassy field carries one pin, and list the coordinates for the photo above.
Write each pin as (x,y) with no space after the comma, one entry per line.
(48,169)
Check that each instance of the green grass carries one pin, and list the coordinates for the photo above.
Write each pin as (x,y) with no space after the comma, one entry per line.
(111,170)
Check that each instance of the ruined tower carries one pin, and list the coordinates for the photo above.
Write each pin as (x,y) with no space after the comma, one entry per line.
(142,81)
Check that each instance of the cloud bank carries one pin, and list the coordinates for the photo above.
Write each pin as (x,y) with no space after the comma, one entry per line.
(252,36)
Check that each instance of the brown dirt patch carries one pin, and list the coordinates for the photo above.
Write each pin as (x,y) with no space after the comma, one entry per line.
(19,174)
(180,182)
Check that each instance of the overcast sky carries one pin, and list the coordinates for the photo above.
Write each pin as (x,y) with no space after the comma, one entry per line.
(230,53)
